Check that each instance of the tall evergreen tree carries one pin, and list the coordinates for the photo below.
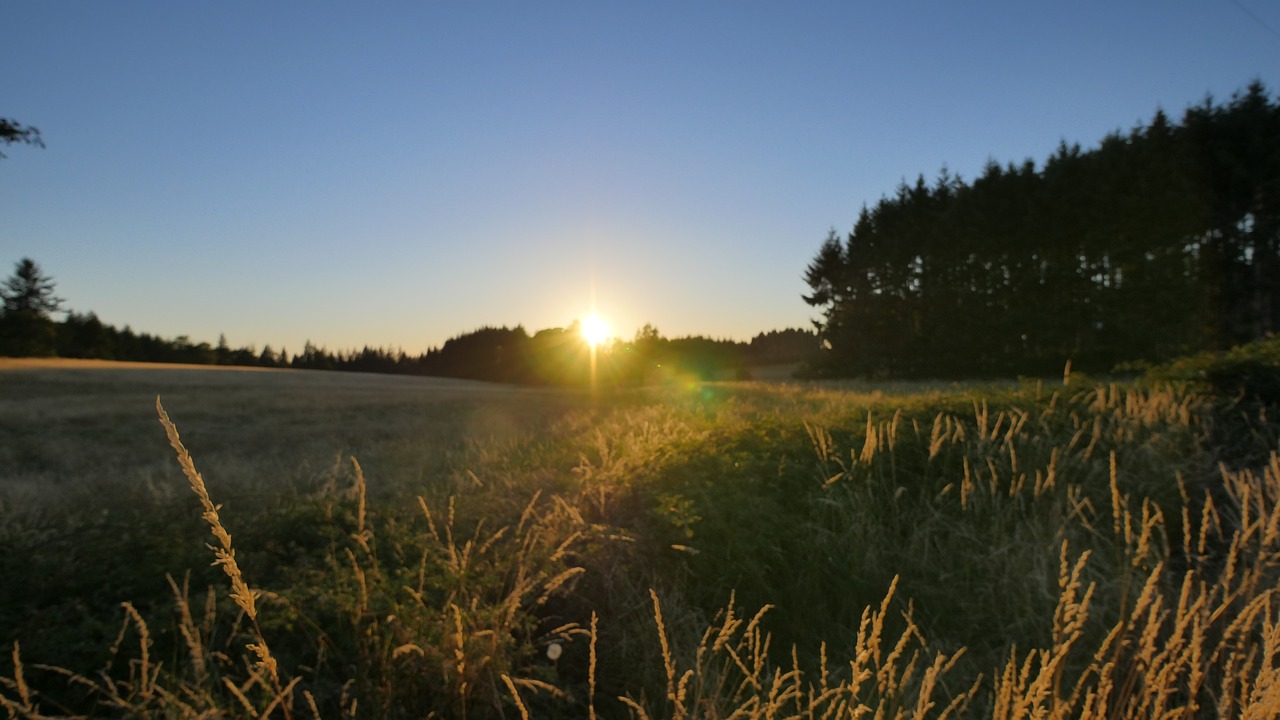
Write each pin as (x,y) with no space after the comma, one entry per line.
(1157,242)
(29,290)
(26,329)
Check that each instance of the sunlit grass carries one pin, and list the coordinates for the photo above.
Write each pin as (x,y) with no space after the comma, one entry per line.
(695,550)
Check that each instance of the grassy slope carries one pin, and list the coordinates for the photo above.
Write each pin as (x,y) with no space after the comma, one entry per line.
(94,511)
(540,508)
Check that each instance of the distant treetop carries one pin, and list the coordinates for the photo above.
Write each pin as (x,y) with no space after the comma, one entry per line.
(29,290)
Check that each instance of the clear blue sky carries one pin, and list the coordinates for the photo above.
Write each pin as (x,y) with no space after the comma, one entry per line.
(393,174)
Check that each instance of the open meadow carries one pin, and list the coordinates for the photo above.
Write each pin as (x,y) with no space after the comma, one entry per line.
(349,545)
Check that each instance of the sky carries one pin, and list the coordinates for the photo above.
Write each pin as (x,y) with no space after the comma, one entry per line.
(394,174)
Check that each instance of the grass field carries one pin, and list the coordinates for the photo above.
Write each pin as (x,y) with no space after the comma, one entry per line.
(405,547)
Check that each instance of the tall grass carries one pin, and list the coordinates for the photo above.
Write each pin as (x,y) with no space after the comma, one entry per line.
(1009,553)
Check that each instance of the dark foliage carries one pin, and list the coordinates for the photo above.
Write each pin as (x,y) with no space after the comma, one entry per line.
(782,347)
(11,131)
(29,290)
(1157,243)
(555,356)
(25,325)
(1244,384)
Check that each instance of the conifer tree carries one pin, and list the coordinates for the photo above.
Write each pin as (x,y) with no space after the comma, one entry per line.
(1158,242)
(25,326)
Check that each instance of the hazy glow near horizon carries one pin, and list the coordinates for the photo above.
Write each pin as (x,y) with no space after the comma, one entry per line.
(595,330)
(392,176)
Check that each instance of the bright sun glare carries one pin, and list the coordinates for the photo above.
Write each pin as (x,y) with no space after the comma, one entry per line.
(594,329)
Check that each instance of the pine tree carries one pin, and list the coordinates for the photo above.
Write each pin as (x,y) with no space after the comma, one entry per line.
(1158,242)
(29,290)
(25,326)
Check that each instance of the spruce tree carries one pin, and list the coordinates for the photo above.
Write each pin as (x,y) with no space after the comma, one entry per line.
(25,326)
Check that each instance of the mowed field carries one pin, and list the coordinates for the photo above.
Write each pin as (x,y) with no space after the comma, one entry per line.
(414,547)
(86,421)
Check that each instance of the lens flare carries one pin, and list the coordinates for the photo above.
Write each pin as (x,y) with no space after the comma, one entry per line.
(594,329)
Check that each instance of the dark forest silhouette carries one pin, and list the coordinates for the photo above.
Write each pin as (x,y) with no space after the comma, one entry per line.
(557,356)
(1157,243)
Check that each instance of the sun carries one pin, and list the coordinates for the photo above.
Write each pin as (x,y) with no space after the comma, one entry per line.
(594,329)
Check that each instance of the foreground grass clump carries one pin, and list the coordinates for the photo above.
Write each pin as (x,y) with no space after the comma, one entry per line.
(695,551)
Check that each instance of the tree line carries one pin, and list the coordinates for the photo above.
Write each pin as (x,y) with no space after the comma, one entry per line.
(557,356)
(1157,243)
